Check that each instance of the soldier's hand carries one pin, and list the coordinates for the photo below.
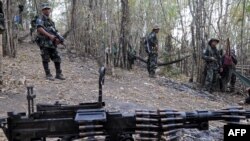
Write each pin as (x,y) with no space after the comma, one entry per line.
(57,41)
(52,37)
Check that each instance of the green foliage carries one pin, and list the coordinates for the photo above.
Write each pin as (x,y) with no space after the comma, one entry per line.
(248,6)
(236,12)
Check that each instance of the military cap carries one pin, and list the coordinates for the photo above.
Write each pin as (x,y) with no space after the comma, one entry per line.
(213,40)
(45,6)
(156,27)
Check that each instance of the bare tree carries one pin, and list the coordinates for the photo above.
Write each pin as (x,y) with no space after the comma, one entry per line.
(1,63)
(10,35)
(124,37)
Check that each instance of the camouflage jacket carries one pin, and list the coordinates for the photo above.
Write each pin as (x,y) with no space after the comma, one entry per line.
(208,55)
(153,42)
(44,22)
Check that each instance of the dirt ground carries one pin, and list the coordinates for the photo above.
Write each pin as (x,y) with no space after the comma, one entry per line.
(125,91)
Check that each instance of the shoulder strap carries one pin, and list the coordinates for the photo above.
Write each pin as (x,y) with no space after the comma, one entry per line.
(210,52)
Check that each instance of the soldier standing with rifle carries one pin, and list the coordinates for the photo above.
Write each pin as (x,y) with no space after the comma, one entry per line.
(213,62)
(151,47)
(48,43)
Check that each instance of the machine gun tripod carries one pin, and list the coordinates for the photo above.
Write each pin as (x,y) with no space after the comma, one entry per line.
(91,121)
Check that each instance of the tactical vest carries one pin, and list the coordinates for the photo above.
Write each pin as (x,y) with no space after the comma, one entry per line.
(211,53)
(150,46)
(42,40)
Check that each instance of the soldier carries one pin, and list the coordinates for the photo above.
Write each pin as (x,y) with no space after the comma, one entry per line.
(227,74)
(151,47)
(213,61)
(47,43)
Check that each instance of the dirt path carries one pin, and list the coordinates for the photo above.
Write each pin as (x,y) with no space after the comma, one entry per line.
(126,91)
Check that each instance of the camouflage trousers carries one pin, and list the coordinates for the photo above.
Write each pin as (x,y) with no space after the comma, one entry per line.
(50,54)
(212,77)
(152,63)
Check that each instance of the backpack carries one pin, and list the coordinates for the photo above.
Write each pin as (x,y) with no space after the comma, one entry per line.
(33,32)
(33,22)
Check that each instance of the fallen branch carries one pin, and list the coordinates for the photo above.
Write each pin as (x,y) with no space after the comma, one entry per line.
(163,64)
(141,59)
(172,62)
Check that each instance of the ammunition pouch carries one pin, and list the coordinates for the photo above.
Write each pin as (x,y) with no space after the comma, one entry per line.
(42,41)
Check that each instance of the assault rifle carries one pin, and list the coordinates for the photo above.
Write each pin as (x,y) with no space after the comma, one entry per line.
(54,32)
(91,121)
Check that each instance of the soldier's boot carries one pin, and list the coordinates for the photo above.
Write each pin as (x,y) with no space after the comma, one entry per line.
(47,71)
(49,76)
(152,75)
(59,74)
(232,89)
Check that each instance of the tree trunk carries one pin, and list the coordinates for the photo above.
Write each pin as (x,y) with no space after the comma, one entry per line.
(194,61)
(1,64)
(124,35)
(200,41)
(242,32)
(10,34)
(73,22)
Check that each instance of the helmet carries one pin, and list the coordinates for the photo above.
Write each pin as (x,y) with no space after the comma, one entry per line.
(45,6)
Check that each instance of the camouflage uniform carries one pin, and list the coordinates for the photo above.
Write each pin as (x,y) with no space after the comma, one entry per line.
(212,58)
(48,49)
(152,53)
